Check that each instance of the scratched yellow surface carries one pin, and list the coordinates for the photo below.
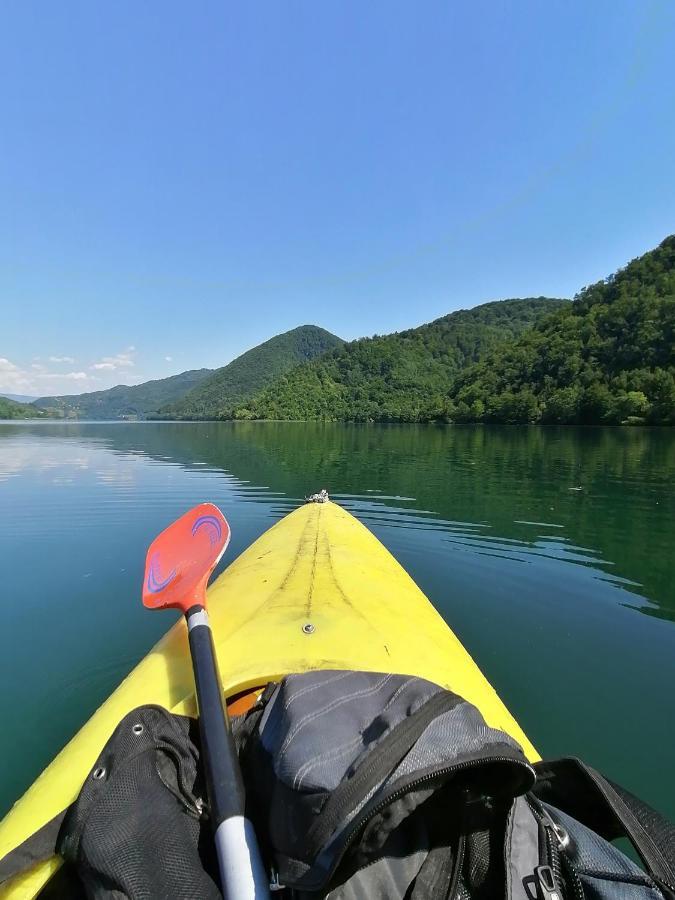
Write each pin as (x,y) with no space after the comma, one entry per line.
(318,565)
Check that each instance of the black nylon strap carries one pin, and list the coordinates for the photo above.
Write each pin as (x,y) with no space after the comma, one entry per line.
(391,751)
(612,812)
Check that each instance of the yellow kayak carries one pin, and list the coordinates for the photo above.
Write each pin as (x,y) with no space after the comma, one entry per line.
(316,591)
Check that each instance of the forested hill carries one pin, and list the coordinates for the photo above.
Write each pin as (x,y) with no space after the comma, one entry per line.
(235,383)
(10,409)
(124,401)
(401,377)
(607,358)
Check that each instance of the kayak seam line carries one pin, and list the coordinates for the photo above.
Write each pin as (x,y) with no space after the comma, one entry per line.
(310,594)
(341,591)
(297,556)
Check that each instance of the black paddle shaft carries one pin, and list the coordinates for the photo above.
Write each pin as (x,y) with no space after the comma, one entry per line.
(219,755)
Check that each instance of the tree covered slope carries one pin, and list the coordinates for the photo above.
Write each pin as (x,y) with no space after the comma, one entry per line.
(233,384)
(19,398)
(608,358)
(10,409)
(402,377)
(123,401)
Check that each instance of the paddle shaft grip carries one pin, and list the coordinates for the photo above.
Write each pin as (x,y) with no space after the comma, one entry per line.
(242,872)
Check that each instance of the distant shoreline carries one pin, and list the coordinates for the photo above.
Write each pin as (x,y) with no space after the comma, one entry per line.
(435,424)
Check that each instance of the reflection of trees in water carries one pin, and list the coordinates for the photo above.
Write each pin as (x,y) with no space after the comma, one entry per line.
(625,510)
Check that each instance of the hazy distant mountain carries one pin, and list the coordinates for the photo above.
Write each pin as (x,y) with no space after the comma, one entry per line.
(19,398)
(10,409)
(236,382)
(124,401)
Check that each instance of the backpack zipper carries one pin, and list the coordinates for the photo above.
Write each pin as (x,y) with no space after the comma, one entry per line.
(550,877)
(356,827)
(555,843)
(457,870)
(573,879)
(376,768)
(558,841)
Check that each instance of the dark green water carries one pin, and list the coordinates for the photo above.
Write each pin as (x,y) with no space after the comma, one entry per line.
(551,553)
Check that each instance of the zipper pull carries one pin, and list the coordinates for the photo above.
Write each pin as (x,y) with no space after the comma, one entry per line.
(275,884)
(546,885)
(561,836)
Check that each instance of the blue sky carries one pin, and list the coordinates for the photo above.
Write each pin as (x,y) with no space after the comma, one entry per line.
(181,181)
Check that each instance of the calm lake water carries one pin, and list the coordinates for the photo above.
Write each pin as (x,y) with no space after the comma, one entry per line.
(551,552)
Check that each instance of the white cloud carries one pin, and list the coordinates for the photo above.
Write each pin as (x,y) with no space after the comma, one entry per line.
(40,380)
(169,358)
(119,361)
(36,380)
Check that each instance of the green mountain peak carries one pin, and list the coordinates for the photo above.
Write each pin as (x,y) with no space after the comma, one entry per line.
(235,383)
(400,377)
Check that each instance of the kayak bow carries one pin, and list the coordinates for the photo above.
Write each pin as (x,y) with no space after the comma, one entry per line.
(316,591)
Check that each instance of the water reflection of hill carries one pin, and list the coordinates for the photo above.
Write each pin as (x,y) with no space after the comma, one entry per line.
(611,489)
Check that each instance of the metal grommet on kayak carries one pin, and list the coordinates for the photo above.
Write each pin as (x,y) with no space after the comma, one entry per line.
(137,728)
(98,773)
(308,628)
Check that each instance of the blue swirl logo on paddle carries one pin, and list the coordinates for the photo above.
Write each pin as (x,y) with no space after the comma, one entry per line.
(211,525)
(155,581)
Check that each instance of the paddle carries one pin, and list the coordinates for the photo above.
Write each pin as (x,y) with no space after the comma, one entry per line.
(177,569)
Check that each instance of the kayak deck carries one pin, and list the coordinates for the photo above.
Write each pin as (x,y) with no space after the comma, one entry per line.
(316,591)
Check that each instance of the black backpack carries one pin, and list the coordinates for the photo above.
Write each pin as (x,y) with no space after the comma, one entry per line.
(361,785)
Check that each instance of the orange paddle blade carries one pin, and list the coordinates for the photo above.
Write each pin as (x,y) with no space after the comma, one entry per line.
(180,560)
